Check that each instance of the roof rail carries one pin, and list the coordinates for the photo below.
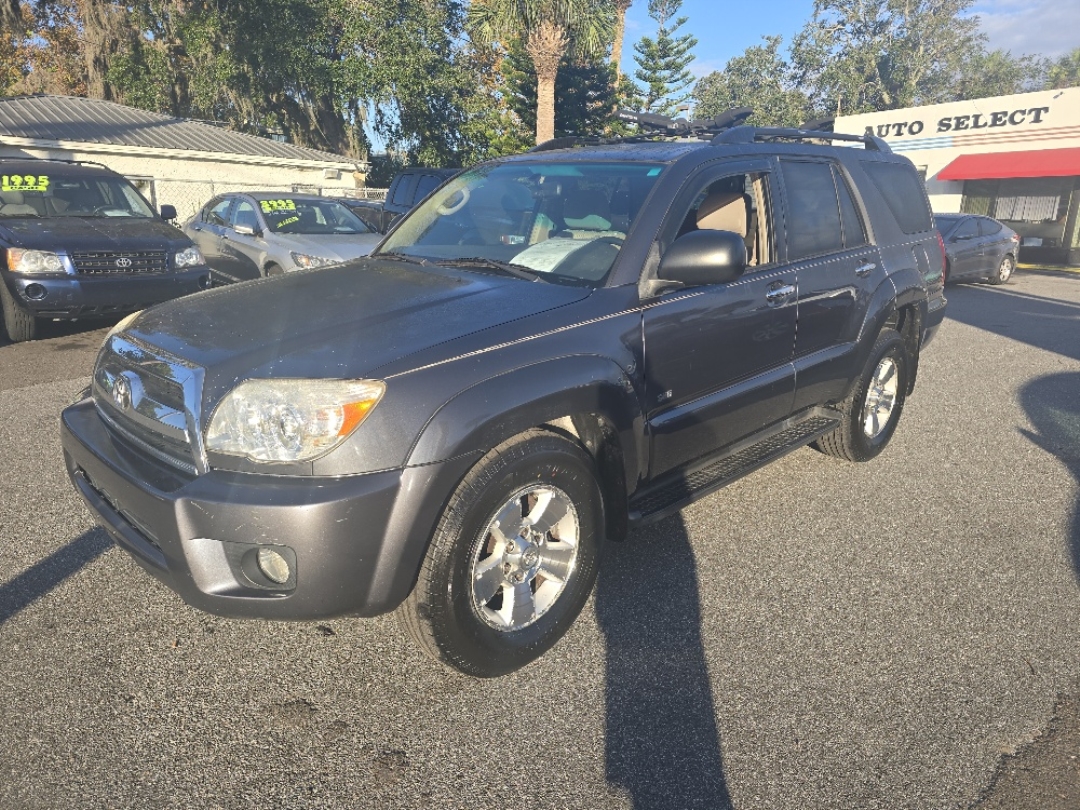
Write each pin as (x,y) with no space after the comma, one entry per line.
(654,128)
(745,134)
(56,160)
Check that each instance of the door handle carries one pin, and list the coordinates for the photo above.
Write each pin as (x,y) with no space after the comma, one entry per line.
(777,294)
(864,270)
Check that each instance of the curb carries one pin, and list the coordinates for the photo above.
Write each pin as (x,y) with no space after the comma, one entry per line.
(1048,268)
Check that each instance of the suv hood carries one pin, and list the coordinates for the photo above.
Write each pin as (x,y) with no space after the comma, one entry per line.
(345,321)
(92,233)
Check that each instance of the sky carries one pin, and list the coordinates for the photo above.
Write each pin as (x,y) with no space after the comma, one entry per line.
(726,29)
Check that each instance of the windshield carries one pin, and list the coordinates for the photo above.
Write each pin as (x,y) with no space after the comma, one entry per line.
(55,194)
(298,215)
(563,221)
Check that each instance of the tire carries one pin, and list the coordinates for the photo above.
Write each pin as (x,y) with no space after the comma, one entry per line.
(19,324)
(462,610)
(1004,271)
(865,428)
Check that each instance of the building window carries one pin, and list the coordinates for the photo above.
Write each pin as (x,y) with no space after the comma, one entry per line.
(1036,208)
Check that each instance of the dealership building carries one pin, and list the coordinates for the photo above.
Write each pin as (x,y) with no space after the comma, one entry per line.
(1015,158)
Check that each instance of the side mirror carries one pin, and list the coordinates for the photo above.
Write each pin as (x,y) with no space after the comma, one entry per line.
(246,230)
(168,212)
(704,257)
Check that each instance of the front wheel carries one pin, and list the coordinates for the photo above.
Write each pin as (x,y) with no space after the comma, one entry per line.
(19,324)
(1004,271)
(513,559)
(872,410)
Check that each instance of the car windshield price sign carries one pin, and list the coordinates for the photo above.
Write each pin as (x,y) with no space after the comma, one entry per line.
(24,182)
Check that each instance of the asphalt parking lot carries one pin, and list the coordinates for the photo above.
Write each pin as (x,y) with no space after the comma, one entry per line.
(818,635)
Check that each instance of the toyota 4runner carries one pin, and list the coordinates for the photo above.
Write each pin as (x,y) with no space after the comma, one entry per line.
(551,349)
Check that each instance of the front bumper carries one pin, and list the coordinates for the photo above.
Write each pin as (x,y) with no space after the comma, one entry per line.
(356,542)
(66,296)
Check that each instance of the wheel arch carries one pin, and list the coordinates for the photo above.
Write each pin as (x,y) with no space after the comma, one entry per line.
(585,397)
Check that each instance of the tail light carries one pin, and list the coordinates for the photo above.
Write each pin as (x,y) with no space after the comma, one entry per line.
(1014,238)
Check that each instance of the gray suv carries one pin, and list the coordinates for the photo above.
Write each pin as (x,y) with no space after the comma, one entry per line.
(247,236)
(551,349)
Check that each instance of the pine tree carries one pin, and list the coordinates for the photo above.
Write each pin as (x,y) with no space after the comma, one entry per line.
(662,62)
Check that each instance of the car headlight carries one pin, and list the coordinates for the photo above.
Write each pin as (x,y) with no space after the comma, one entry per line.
(290,420)
(33,261)
(307,262)
(188,257)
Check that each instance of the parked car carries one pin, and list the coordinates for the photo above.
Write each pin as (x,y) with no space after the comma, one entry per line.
(977,247)
(552,348)
(371,212)
(406,190)
(78,241)
(247,236)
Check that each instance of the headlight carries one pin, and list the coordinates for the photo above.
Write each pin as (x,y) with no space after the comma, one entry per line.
(33,261)
(188,257)
(308,262)
(290,420)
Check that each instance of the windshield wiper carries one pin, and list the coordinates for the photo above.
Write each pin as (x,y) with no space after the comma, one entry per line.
(400,257)
(510,269)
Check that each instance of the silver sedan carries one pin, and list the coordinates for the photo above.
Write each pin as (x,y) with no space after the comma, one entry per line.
(247,236)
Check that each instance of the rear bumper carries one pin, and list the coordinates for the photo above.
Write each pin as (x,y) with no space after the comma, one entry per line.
(355,544)
(67,297)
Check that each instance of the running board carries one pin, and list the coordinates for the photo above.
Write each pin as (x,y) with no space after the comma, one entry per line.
(668,495)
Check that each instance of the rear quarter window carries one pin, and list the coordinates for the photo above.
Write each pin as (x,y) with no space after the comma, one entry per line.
(904,194)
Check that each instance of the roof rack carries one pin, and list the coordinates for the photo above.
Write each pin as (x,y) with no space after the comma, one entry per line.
(744,134)
(654,128)
(55,160)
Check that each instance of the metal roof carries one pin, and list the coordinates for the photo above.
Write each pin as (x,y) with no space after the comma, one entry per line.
(88,120)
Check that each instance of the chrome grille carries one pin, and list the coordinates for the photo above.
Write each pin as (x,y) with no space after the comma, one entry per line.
(146,397)
(93,263)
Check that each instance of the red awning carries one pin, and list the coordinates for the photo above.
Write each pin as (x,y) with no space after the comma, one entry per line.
(998,165)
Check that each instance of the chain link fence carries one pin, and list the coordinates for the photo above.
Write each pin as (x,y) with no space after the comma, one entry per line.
(189,196)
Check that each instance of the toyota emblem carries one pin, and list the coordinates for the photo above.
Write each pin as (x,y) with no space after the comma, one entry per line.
(121,392)
(123,262)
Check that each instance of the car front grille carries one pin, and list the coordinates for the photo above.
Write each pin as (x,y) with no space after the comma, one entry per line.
(95,263)
(144,398)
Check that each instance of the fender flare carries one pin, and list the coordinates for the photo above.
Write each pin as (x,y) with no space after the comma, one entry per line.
(490,412)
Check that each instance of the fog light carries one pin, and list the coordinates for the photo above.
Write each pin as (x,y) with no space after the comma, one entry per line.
(35,292)
(204,282)
(273,565)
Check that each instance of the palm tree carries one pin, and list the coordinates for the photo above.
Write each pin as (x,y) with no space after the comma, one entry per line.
(549,30)
(621,7)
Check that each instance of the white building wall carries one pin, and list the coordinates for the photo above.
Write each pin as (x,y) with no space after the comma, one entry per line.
(189,180)
(935,135)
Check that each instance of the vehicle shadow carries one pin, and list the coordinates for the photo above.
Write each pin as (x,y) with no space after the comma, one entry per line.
(1045,323)
(47,574)
(662,741)
(1052,403)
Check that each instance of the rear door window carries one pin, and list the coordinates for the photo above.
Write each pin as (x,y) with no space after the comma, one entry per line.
(813,216)
(903,192)
(968,229)
(989,227)
(854,232)
(428,183)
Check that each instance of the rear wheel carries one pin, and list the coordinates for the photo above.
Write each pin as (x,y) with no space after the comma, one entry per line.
(1004,271)
(513,559)
(19,324)
(872,410)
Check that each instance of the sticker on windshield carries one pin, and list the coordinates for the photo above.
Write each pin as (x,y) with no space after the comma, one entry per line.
(288,221)
(276,206)
(24,182)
